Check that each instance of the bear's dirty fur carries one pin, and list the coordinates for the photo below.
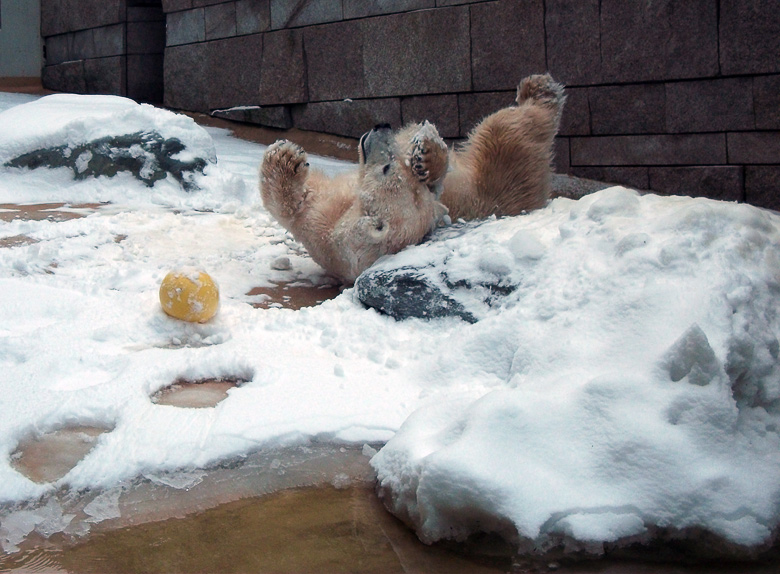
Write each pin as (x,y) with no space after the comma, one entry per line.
(408,182)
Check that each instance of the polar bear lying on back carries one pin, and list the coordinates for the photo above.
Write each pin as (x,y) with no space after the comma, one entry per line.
(408,182)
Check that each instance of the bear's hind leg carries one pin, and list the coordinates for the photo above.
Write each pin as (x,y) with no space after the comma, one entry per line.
(542,90)
(282,180)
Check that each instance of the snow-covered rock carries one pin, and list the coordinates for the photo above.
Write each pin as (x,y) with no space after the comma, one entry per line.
(641,384)
(102,135)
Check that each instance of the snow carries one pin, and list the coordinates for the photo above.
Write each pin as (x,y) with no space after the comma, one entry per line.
(629,383)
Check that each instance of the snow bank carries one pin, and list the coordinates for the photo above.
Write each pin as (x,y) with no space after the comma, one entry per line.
(637,380)
(68,124)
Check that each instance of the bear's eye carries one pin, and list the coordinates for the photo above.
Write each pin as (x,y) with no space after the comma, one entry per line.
(386,169)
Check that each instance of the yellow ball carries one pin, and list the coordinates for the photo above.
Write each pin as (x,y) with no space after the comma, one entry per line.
(190,295)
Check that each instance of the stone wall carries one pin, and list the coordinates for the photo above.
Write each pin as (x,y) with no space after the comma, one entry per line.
(104,47)
(673,96)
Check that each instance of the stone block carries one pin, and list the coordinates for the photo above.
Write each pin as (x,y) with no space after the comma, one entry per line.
(269,116)
(573,42)
(442,111)
(561,162)
(710,105)
(693,149)
(186,82)
(252,16)
(761,187)
(660,40)
(286,14)
(474,107)
(82,44)
(58,48)
(715,182)
(629,109)
(334,47)
(575,120)
(176,5)
(110,40)
(401,57)
(200,3)
(749,36)
(364,8)
(766,94)
(633,177)
(65,77)
(347,118)
(53,18)
(145,14)
(146,37)
(220,21)
(507,43)
(283,69)
(106,75)
(186,27)
(234,66)
(145,78)
(754,147)
(85,14)
(457,2)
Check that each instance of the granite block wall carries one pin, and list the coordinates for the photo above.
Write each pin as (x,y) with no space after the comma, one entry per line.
(677,97)
(104,47)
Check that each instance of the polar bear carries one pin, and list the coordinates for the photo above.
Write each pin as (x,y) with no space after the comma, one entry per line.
(408,182)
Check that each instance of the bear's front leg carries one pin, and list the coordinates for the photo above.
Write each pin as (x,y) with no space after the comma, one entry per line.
(282,180)
(429,155)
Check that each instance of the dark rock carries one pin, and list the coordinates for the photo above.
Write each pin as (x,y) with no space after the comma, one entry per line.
(109,155)
(427,288)
(407,292)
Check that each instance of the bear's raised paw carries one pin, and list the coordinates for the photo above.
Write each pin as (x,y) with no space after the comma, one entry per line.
(429,156)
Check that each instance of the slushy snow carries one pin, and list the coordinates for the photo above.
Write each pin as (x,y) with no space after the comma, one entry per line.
(629,385)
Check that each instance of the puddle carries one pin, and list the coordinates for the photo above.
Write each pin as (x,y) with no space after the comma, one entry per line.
(17,241)
(49,457)
(196,394)
(289,295)
(50,211)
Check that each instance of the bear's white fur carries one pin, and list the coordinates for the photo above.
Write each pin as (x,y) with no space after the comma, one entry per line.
(408,182)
